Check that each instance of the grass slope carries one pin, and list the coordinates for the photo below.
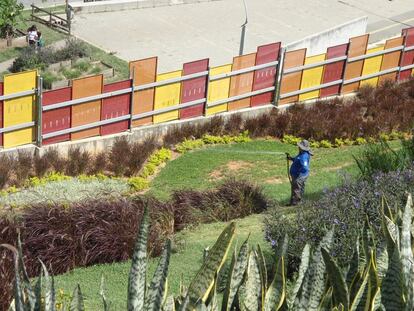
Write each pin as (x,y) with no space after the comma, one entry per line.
(202,169)
(205,168)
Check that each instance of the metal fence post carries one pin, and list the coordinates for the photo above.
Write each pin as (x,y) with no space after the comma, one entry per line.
(131,103)
(39,109)
(206,92)
(279,75)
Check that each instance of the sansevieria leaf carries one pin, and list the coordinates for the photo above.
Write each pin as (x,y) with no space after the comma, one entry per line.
(317,273)
(203,282)
(276,294)
(169,304)
(263,272)
(407,260)
(103,294)
(235,277)
(137,281)
(50,295)
(392,287)
(304,265)
(156,290)
(339,287)
(77,303)
(253,285)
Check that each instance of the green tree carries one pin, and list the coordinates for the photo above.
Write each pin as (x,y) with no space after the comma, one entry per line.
(10,15)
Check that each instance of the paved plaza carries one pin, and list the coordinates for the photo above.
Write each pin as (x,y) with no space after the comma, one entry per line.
(182,33)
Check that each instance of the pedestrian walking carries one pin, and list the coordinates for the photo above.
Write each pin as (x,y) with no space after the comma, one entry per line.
(299,172)
(32,36)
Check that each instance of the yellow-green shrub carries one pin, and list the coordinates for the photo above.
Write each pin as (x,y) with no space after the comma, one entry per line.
(188,145)
(360,141)
(325,144)
(290,139)
(138,183)
(339,142)
(348,142)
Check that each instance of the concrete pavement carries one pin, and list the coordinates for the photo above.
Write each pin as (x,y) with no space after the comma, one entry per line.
(184,33)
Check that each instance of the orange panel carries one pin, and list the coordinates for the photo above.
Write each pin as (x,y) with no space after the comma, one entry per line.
(391,60)
(145,71)
(242,83)
(291,81)
(357,47)
(88,112)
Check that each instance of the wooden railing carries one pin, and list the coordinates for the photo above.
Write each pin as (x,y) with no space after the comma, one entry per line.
(50,19)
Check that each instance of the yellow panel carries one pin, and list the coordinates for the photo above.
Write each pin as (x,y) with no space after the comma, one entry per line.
(19,110)
(167,96)
(312,77)
(372,65)
(218,89)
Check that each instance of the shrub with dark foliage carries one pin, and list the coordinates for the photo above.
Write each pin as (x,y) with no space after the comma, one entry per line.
(346,208)
(94,232)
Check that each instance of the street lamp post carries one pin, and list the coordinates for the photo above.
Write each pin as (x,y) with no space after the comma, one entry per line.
(243,32)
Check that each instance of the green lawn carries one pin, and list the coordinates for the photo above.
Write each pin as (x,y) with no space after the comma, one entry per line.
(203,169)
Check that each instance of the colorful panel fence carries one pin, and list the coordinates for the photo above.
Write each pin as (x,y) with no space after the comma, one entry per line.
(334,71)
(407,56)
(357,47)
(86,113)
(89,108)
(291,81)
(145,72)
(266,77)
(1,114)
(241,83)
(312,77)
(56,119)
(19,110)
(167,96)
(114,107)
(391,60)
(218,89)
(194,89)
(372,65)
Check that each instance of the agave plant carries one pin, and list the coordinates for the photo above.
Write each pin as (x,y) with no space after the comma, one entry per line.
(378,277)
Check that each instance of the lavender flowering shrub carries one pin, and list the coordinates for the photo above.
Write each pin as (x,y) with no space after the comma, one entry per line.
(345,208)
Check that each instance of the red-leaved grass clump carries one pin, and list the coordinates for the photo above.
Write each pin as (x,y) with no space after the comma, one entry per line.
(102,231)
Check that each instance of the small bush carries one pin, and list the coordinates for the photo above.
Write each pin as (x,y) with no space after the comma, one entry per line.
(325,144)
(28,60)
(72,50)
(119,156)
(234,125)
(139,153)
(78,161)
(48,79)
(82,66)
(24,166)
(55,160)
(376,158)
(138,183)
(41,165)
(6,167)
(99,164)
(188,145)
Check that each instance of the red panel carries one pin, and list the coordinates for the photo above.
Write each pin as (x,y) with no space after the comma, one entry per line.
(193,89)
(115,106)
(265,77)
(407,57)
(1,114)
(56,119)
(335,70)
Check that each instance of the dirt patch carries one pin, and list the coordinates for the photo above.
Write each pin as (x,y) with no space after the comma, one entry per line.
(238,165)
(276,181)
(216,175)
(231,166)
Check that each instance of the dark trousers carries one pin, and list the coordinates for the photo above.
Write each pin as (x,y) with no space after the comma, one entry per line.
(297,189)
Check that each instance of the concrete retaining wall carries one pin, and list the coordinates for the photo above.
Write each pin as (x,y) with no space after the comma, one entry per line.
(99,143)
(81,7)
(318,43)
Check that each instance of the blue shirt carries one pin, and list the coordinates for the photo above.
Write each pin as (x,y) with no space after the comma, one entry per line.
(300,165)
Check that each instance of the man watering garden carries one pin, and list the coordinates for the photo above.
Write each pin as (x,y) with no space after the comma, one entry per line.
(299,171)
